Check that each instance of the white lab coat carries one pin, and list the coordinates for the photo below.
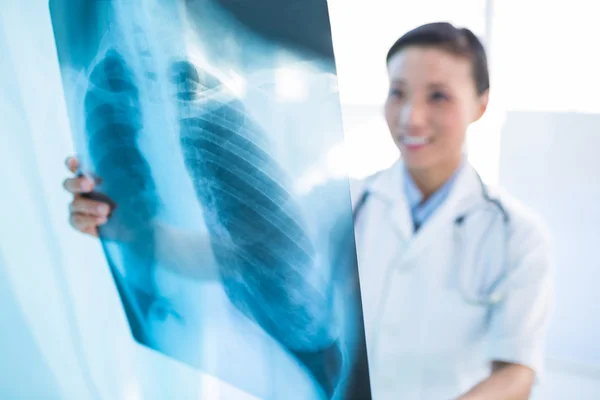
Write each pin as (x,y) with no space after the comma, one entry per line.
(424,341)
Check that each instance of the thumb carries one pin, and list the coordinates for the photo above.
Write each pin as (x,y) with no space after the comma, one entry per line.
(72,164)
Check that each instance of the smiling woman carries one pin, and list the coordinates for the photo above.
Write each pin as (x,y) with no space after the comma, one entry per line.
(367,143)
(438,87)
(426,337)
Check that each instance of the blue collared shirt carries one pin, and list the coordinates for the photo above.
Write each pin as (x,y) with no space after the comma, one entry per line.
(421,211)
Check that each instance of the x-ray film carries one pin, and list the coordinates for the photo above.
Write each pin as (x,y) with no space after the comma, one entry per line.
(209,127)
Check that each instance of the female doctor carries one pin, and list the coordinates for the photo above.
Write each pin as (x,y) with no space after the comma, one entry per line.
(456,278)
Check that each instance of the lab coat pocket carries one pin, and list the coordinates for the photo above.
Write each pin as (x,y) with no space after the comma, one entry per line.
(461,322)
(460,317)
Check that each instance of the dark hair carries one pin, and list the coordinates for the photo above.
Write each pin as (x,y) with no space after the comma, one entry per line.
(458,41)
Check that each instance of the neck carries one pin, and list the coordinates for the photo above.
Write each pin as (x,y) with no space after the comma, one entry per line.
(429,180)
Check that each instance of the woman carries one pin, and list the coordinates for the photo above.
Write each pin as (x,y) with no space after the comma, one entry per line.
(456,280)
(465,281)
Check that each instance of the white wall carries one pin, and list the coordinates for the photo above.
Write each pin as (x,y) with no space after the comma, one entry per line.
(546,78)
(550,161)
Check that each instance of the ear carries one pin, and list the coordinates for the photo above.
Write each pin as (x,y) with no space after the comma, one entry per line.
(482,105)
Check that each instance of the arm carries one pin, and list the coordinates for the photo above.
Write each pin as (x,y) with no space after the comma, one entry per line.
(185,253)
(507,382)
(518,322)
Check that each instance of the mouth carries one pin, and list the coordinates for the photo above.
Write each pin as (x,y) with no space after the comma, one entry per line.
(415,142)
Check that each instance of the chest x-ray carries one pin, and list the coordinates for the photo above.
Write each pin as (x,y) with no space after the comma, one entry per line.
(206,126)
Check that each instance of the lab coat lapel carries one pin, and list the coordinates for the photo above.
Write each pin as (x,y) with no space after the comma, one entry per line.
(467,193)
(460,199)
(389,185)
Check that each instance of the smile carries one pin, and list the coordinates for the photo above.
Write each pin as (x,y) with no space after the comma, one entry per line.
(412,141)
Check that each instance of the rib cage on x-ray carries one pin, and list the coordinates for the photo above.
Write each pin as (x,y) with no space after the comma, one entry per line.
(264,254)
(113,123)
(266,260)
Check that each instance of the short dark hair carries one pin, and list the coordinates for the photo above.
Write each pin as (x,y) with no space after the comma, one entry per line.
(458,41)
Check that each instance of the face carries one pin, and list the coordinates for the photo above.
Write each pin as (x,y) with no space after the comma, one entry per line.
(431,102)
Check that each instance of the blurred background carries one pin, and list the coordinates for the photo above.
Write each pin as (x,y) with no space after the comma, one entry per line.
(70,341)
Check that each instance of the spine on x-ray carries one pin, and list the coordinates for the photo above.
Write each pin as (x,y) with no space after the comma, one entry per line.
(113,123)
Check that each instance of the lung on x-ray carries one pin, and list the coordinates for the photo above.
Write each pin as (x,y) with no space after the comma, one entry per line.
(208,126)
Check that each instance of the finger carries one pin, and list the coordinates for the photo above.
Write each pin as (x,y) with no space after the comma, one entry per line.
(90,207)
(91,231)
(85,223)
(72,164)
(78,185)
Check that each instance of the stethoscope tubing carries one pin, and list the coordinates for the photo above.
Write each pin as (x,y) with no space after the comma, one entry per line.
(460,241)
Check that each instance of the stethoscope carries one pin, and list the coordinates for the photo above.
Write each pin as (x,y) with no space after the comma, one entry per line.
(471,293)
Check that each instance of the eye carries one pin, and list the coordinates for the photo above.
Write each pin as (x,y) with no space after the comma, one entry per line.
(396,93)
(438,97)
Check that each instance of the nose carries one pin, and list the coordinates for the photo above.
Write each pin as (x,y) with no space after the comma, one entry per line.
(412,114)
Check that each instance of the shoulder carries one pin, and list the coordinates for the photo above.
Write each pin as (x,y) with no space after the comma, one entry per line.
(331,200)
(523,217)
(528,229)
(335,191)
(357,189)
(382,179)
